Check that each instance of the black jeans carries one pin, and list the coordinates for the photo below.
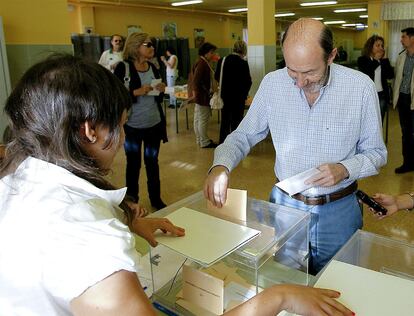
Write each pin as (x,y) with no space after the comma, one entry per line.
(407,128)
(151,138)
(231,116)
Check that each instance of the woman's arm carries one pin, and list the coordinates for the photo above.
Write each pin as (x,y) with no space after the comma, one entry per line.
(118,294)
(295,299)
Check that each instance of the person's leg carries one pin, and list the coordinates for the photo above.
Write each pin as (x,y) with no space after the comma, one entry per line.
(171,83)
(236,116)
(406,123)
(204,117)
(225,122)
(332,224)
(336,223)
(383,106)
(132,148)
(152,140)
(197,122)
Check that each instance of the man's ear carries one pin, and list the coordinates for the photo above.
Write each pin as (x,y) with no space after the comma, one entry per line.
(332,55)
(88,131)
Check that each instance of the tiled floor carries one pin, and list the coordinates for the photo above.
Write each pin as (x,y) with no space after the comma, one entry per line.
(183,168)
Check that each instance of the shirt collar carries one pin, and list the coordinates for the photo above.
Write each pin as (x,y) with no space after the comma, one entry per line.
(37,170)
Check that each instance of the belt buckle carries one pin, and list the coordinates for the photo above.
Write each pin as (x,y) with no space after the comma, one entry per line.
(327,198)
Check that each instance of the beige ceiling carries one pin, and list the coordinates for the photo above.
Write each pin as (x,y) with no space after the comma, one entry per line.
(281,6)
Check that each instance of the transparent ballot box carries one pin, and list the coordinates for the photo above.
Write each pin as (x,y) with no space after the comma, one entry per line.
(374,274)
(378,253)
(278,254)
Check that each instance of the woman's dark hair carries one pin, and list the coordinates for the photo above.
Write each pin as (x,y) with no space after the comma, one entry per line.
(48,106)
(369,44)
(325,41)
(171,50)
(205,48)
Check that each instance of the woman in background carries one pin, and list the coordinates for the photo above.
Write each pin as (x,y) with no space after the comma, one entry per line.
(171,64)
(146,126)
(112,56)
(235,86)
(374,64)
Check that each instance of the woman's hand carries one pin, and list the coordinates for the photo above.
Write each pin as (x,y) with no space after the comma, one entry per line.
(390,202)
(305,300)
(143,90)
(139,210)
(146,227)
(160,87)
(297,299)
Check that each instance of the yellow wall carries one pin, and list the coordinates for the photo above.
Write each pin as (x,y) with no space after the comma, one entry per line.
(35,22)
(115,19)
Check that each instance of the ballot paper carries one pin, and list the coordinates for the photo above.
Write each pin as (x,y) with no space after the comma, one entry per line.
(154,83)
(235,206)
(207,238)
(296,184)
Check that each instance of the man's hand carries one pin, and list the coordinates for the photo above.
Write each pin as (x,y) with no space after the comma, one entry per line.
(215,186)
(139,210)
(330,174)
(146,227)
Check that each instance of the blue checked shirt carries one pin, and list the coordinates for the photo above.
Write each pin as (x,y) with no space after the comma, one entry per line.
(342,126)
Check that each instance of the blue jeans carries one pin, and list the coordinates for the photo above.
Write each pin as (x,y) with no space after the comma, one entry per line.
(332,224)
(151,139)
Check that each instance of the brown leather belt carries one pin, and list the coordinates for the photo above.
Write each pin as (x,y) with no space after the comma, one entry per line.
(323,199)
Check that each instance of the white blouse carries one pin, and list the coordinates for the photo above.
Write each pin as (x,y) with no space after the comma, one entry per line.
(59,235)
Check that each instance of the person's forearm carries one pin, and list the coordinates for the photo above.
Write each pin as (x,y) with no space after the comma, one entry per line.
(265,303)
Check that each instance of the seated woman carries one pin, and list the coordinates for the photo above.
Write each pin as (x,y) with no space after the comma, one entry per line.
(66,242)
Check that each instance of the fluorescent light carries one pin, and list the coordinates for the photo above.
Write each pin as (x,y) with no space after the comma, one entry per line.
(238,10)
(278,15)
(177,4)
(364,16)
(309,4)
(353,24)
(317,18)
(334,22)
(350,10)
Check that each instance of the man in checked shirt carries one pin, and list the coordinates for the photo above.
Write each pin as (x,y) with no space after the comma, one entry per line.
(320,115)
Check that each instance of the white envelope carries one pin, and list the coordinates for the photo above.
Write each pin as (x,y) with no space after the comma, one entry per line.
(296,183)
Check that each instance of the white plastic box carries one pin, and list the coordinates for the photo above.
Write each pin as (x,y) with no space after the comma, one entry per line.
(278,255)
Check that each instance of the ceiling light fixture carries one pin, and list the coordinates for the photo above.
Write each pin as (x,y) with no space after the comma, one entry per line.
(317,18)
(177,4)
(310,4)
(350,10)
(334,22)
(278,15)
(353,24)
(238,10)
(364,16)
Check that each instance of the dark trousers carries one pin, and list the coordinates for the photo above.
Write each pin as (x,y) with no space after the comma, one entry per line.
(231,116)
(151,139)
(383,102)
(407,128)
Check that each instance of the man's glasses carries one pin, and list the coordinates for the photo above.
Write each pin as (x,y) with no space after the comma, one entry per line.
(118,41)
(148,44)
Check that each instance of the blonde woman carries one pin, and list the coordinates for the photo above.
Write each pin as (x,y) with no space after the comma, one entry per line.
(146,126)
